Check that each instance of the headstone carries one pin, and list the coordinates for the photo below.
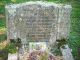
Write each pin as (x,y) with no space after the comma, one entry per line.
(38,21)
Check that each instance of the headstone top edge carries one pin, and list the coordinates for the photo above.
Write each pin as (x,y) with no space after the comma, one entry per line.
(68,6)
(45,3)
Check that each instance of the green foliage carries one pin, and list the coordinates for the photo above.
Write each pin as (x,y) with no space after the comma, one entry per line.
(44,56)
(61,42)
(74,39)
(11,48)
(2,9)
(55,49)
(18,42)
(2,23)
(3,37)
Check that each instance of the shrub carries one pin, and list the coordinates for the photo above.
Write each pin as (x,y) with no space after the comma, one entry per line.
(11,48)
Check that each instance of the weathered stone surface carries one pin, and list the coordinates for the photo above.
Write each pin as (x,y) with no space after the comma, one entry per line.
(12,56)
(64,21)
(66,52)
(38,21)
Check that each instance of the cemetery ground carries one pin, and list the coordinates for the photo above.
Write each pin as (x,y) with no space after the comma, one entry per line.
(74,39)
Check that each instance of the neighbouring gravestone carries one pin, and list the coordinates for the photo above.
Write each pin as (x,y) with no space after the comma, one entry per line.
(38,21)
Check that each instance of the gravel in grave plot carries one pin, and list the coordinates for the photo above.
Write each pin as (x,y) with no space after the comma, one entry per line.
(39,55)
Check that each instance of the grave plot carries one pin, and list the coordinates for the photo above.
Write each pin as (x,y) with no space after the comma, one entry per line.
(37,22)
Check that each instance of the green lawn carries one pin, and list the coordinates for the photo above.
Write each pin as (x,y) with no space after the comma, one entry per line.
(74,41)
(74,38)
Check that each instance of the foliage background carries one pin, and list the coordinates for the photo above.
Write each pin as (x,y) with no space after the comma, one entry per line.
(74,38)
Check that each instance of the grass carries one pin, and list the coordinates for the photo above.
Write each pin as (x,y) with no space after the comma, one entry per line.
(74,39)
(3,37)
(2,24)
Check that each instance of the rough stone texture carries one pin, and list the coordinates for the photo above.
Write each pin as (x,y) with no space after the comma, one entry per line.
(64,22)
(67,55)
(12,56)
(38,21)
